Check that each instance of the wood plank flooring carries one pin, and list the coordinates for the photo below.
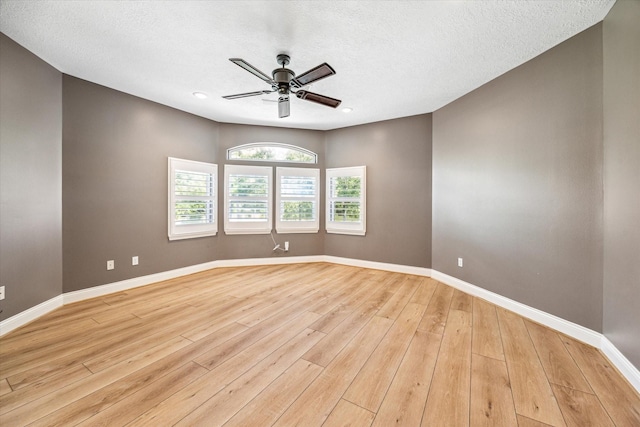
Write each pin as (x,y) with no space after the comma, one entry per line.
(307,344)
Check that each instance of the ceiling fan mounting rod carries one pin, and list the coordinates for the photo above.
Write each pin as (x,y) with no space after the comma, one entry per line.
(283,59)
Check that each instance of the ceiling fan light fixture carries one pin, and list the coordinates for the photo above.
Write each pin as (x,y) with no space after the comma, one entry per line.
(200,95)
(347,109)
(283,107)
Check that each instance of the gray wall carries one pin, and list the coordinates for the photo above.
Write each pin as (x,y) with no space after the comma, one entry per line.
(115,149)
(30,179)
(114,177)
(622,178)
(397,154)
(517,183)
(261,246)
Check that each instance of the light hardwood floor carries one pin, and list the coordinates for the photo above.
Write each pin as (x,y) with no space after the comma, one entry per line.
(308,345)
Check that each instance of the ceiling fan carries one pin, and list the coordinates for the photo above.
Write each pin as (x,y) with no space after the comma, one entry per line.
(284,81)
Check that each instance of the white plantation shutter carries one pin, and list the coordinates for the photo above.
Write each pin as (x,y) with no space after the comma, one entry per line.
(346,200)
(192,199)
(297,200)
(247,199)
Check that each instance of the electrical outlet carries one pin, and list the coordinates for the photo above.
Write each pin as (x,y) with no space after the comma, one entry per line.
(134,260)
(1,292)
(286,246)
(111,264)
(459,262)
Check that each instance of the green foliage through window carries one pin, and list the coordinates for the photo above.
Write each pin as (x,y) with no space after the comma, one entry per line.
(189,184)
(297,211)
(342,189)
(247,186)
(345,211)
(193,212)
(274,152)
(297,200)
(346,200)
(346,186)
(192,199)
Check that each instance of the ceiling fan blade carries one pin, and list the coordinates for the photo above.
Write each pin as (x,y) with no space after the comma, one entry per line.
(313,75)
(253,70)
(283,106)
(244,95)
(317,98)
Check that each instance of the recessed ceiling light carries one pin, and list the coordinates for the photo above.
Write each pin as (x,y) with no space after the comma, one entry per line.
(347,110)
(200,95)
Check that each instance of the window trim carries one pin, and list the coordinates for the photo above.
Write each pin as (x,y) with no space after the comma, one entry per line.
(274,145)
(285,227)
(353,228)
(248,227)
(179,232)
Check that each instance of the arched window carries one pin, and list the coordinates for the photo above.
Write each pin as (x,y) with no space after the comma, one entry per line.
(272,152)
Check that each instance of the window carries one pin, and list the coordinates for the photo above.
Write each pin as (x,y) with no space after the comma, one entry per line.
(297,200)
(192,199)
(346,202)
(272,152)
(247,199)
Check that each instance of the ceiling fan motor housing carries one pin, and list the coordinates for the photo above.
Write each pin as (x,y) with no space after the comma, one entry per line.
(282,77)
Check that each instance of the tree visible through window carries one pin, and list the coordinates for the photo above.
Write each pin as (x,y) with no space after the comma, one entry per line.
(346,200)
(247,199)
(273,152)
(344,189)
(297,211)
(192,199)
(244,189)
(297,200)
(193,190)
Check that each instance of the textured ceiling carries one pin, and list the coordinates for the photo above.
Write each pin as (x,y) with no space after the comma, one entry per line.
(392,58)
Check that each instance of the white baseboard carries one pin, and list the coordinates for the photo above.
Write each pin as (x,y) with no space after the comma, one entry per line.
(33,313)
(248,262)
(586,335)
(374,265)
(30,314)
(574,330)
(135,282)
(97,291)
(123,285)
(554,322)
(625,367)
